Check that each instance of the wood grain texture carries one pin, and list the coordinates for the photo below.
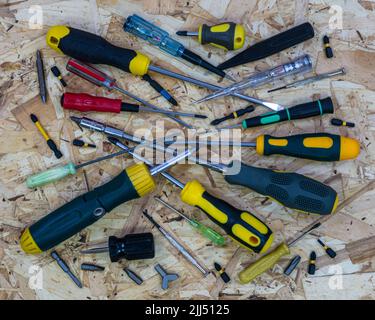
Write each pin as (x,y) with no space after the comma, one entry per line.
(23,152)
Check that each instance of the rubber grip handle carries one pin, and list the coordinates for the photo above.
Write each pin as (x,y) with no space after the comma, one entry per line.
(51,175)
(240,225)
(84,103)
(263,264)
(302,111)
(313,146)
(86,209)
(292,190)
(273,45)
(221,35)
(91,48)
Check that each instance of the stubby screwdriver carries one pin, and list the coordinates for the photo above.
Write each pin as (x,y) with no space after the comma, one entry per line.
(226,35)
(84,103)
(331,253)
(134,182)
(207,232)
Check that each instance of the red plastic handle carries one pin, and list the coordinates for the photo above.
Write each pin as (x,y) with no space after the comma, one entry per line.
(84,102)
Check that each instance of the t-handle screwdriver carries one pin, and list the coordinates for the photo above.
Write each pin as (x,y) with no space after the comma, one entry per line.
(134,182)
(101,79)
(207,232)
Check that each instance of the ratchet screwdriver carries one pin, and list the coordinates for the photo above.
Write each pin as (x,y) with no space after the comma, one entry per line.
(301,111)
(84,103)
(226,35)
(134,182)
(240,225)
(101,79)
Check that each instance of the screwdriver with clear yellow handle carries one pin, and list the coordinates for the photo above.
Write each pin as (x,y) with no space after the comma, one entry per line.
(207,232)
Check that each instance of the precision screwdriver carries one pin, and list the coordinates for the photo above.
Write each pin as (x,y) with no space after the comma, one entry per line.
(156,36)
(331,253)
(93,49)
(234,115)
(207,232)
(226,35)
(292,190)
(240,225)
(316,78)
(301,111)
(269,260)
(101,79)
(135,246)
(84,103)
(134,182)
(173,241)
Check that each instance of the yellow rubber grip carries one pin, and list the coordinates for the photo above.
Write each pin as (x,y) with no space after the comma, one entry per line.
(263,264)
(42,131)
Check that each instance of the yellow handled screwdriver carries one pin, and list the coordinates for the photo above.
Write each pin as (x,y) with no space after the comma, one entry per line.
(226,35)
(268,261)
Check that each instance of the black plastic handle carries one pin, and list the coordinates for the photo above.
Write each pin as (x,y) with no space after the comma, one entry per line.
(292,190)
(273,45)
(301,111)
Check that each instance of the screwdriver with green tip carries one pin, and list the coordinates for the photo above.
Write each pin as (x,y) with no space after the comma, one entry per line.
(207,232)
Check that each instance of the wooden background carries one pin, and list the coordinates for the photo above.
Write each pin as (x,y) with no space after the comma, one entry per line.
(23,151)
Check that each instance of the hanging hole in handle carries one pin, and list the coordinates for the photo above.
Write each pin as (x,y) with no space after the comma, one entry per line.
(238,39)
(54,40)
(254,240)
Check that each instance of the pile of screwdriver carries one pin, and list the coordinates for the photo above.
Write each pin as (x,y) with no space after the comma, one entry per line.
(292,190)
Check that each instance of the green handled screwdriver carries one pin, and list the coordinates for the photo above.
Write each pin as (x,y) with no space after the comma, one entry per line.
(302,111)
(207,232)
(134,182)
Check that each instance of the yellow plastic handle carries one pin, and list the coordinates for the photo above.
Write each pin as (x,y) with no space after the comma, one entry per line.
(263,264)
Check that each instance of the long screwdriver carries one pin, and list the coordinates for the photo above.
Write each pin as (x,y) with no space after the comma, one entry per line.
(134,182)
(101,79)
(91,48)
(268,261)
(240,225)
(207,232)
(84,103)
(292,190)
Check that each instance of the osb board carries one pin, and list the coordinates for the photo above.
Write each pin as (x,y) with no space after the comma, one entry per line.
(22,152)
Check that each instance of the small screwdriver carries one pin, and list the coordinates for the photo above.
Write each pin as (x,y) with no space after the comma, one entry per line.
(135,246)
(327,249)
(234,115)
(80,143)
(163,92)
(268,261)
(207,232)
(84,103)
(226,35)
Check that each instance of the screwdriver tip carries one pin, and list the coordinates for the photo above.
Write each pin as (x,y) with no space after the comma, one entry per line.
(200,116)
(277,89)
(113,140)
(75,119)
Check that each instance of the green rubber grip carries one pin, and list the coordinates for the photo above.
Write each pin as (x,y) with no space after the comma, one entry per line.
(208,233)
(51,175)
(302,111)
(292,190)
(81,212)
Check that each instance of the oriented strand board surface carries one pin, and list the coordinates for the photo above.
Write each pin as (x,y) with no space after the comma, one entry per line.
(22,152)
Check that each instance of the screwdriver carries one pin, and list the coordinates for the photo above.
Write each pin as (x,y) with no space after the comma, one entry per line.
(226,35)
(156,36)
(137,246)
(156,85)
(292,190)
(240,225)
(134,182)
(331,253)
(268,261)
(234,115)
(301,111)
(101,79)
(207,232)
(84,103)
(93,49)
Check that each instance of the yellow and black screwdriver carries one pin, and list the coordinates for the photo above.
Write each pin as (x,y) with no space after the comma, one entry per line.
(66,221)
(226,35)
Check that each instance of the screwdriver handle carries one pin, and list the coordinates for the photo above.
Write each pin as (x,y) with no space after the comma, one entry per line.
(313,146)
(209,233)
(302,111)
(263,264)
(94,49)
(227,35)
(240,225)
(51,175)
(84,210)
(292,190)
